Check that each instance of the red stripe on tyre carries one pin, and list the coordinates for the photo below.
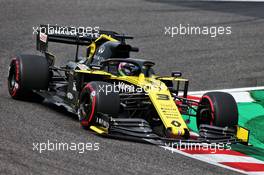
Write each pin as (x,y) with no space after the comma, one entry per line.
(88,86)
(212,108)
(16,64)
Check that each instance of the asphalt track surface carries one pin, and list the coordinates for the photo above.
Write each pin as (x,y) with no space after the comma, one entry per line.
(229,61)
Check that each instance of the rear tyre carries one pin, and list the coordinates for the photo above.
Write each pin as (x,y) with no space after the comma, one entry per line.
(217,109)
(95,100)
(27,73)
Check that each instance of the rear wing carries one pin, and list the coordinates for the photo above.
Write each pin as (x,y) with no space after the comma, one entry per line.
(70,35)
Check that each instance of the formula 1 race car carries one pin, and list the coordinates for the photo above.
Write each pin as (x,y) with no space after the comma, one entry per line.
(122,97)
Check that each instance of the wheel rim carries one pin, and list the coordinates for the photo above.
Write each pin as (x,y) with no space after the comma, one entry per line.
(205,113)
(86,106)
(13,84)
(12,81)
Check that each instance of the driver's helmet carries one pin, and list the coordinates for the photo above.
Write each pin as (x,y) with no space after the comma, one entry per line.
(127,69)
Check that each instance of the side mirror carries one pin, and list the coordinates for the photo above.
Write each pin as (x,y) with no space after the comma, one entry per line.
(95,66)
(176,74)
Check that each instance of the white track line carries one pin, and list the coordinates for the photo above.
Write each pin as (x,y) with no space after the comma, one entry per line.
(202,159)
(229,90)
(211,160)
(227,158)
(240,94)
(256,173)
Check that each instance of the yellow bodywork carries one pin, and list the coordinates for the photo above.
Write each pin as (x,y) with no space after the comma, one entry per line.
(98,130)
(166,108)
(242,134)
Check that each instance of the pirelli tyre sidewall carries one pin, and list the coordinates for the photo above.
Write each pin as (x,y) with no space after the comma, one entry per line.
(95,101)
(222,110)
(27,73)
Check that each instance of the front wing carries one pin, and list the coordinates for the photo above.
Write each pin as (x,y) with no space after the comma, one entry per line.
(139,130)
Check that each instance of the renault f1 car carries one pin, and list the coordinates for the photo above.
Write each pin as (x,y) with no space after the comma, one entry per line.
(119,96)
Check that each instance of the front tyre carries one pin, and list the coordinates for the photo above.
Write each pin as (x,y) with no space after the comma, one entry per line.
(217,109)
(95,100)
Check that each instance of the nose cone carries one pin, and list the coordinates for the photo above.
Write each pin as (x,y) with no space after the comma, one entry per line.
(174,132)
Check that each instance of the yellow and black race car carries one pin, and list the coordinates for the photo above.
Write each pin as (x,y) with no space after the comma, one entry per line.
(118,96)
